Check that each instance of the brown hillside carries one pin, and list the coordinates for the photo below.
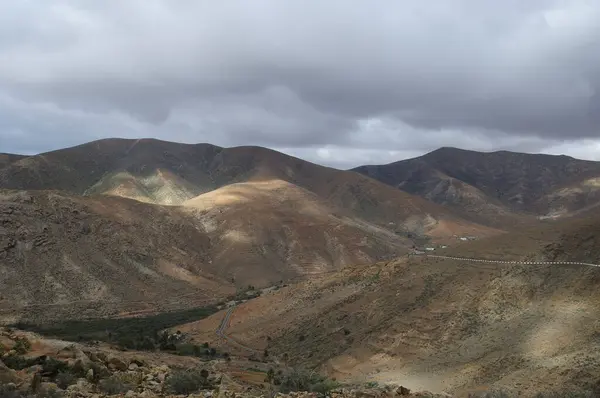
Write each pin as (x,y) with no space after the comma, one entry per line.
(7,158)
(495,184)
(278,223)
(103,255)
(169,173)
(65,256)
(442,325)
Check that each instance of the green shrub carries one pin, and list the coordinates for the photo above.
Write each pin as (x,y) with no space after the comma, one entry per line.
(187,381)
(52,367)
(113,386)
(301,380)
(22,346)
(6,392)
(17,362)
(65,379)
(135,333)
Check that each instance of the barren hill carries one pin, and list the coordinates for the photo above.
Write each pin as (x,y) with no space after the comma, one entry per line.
(65,256)
(106,255)
(7,158)
(278,223)
(496,184)
(169,173)
(443,325)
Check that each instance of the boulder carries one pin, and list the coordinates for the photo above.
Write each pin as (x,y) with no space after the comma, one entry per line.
(139,362)
(89,376)
(102,357)
(147,394)
(117,363)
(82,386)
(403,391)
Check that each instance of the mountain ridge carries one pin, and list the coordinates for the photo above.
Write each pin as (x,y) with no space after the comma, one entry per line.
(495,183)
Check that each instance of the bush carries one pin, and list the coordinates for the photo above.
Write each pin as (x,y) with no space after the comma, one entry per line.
(17,362)
(301,380)
(113,386)
(6,392)
(187,381)
(65,379)
(53,367)
(22,346)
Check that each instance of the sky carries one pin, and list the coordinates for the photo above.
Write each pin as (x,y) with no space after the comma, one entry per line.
(336,82)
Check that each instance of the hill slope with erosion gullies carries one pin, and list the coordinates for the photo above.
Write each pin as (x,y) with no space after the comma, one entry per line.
(106,255)
(443,325)
(276,222)
(497,184)
(170,174)
(64,256)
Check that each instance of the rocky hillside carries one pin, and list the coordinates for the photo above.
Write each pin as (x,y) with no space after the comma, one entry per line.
(32,366)
(169,173)
(86,256)
(442,325)
(121,226)
(6,159)
(496,184)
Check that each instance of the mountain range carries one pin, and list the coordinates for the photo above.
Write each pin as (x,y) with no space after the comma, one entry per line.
(103,224)
(132,228)
(494,186)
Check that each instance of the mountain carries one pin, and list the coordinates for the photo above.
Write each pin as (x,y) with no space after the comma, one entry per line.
(443,325)
(169,173)
(116,226)
(7,158)
(64,256)
(497,184)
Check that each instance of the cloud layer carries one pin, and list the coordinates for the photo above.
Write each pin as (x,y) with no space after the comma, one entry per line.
(337,82)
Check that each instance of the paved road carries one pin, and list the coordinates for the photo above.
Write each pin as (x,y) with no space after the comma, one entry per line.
(223,326)
(479,260)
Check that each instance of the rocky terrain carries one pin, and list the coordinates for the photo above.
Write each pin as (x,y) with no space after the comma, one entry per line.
(442,325)
(118,227)
(493,186)
(31,365)
(108,256)
(150,268)
(170,173)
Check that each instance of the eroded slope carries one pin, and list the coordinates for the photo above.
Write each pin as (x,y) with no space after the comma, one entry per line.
(443,325)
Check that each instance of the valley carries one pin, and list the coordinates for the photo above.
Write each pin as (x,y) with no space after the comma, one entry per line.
(278,263)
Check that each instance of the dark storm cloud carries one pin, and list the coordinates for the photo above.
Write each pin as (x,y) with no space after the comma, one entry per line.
(338,82)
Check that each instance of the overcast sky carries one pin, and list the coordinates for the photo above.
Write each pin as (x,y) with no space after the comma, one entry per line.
(336,82)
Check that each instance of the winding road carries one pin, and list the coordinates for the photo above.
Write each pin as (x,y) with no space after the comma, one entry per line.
(223,326)
(479,260)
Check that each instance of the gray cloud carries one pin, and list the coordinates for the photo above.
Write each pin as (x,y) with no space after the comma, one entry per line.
(336,82)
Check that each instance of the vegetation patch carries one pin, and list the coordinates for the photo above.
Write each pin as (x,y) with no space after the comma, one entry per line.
(140,333)
(186,382)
